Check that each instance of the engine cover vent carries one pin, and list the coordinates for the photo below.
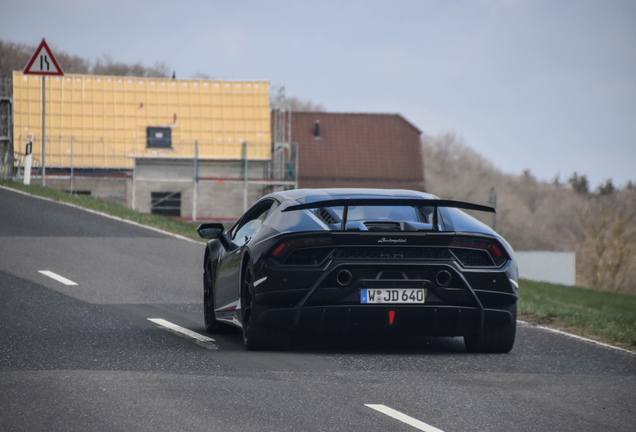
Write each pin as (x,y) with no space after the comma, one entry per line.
(326,216)
(383,226)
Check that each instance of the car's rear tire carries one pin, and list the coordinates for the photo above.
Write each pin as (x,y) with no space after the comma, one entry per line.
(494,339)
(256,336)
(211,324)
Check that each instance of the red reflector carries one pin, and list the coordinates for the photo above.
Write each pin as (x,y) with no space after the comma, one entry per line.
(278,249)
(391,316)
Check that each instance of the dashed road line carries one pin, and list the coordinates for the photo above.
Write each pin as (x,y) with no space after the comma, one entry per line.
(204,341)
(417,424)
(57,277)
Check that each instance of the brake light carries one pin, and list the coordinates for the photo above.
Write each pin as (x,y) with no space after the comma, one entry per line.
(489,246)
(285,247)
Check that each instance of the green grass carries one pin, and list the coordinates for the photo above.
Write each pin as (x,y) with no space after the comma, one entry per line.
(186,229)
(605,316)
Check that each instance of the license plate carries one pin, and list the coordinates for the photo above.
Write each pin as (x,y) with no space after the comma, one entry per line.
(393,295)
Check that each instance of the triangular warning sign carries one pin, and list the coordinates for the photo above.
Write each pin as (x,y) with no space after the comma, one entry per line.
(43,62)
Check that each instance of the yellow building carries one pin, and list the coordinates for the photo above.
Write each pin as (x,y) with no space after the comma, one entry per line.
(97,121)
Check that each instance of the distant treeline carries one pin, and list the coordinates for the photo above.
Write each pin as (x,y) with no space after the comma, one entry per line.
(15,56)
(599,225)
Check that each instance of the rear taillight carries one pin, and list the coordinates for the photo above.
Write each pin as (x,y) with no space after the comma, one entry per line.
(285,247)
(495,251)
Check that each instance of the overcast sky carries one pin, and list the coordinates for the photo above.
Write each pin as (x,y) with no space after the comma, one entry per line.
(545,85)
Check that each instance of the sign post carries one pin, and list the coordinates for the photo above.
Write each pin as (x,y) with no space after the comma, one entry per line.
(43,131)
(27,159)
(244,158)
(196,180)
(44,64)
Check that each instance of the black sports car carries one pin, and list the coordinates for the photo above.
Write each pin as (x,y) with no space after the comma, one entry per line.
(360,262)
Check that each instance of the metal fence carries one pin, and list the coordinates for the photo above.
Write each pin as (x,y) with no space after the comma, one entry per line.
(160,183)
(197,191)
(119,153)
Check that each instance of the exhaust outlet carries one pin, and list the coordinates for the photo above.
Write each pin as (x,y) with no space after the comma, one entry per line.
(443,278)
(344,277)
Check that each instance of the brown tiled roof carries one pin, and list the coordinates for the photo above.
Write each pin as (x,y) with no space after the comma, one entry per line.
(358,150)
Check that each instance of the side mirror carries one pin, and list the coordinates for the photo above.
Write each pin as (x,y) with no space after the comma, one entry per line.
(210,230)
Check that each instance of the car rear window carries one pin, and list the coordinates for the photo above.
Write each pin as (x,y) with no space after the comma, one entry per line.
(368,213)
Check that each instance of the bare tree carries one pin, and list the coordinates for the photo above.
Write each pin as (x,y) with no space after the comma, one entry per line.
(297,104)
(201,75)
(15,56)
(607,243)
(539,215)
(529,190)
(108,66)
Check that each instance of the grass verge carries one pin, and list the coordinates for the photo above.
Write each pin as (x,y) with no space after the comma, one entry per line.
(186,229)
(604,316)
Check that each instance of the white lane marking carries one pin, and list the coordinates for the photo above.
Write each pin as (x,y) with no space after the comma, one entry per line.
(199,339)
(260,281)
(57,277)
(105,215)
(403,418)
(581,338)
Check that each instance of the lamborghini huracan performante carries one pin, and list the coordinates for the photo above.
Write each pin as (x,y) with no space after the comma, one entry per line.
(360,262)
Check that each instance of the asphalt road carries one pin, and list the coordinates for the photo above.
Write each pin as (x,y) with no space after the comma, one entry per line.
(85,357)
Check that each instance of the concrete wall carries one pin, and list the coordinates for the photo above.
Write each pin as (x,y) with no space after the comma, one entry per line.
(113,189)
(546,266)
(219,191)
(184,169)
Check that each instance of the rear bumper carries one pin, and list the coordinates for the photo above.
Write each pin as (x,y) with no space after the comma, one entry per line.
(472,301)
(420,320)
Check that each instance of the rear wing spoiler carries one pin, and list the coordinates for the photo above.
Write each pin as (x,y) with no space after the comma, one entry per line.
(414,202)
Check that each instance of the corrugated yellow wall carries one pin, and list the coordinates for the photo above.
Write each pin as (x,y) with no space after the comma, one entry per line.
(102,120)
